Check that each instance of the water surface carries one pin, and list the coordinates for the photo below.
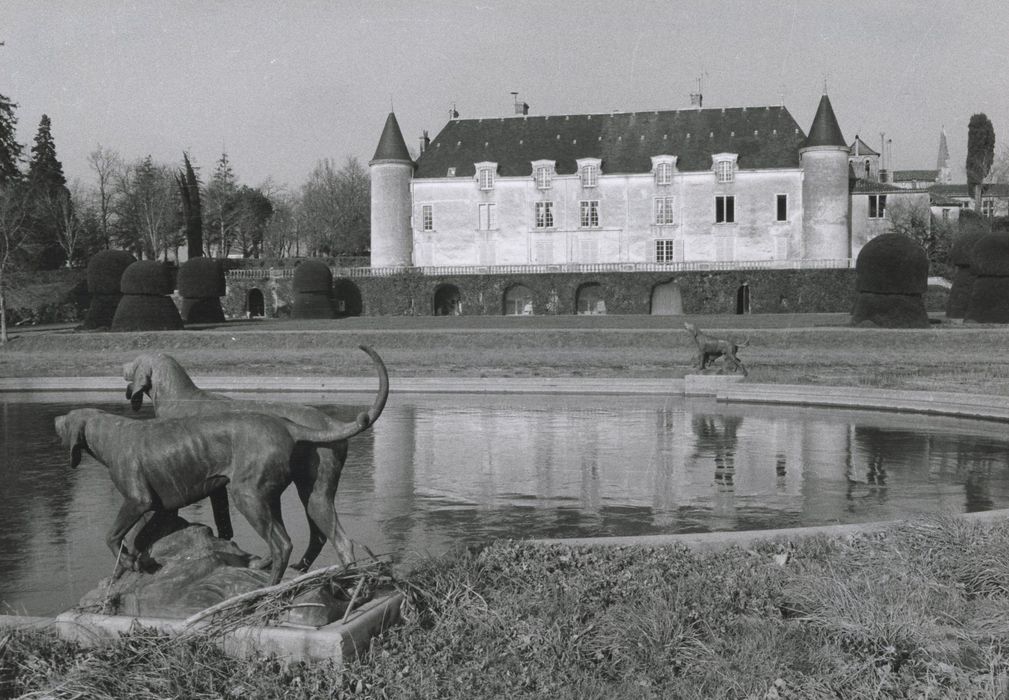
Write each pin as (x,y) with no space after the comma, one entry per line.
(438,471)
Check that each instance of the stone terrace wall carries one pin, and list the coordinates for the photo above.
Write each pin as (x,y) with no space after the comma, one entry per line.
(770,291)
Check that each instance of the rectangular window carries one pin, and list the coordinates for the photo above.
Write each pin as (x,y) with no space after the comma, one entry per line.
(782,207)
(544,214)
(988,208)
(665,251)
(590,176)
(663,211)
(543,178)
(724,170)
(877,206)
(427,217)
(488,217)
(945,214)
(486,179)
(725,209)
(664,174)
(589,213)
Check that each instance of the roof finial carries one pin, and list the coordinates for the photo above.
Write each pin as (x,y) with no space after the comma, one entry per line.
(391,106)
(825,75)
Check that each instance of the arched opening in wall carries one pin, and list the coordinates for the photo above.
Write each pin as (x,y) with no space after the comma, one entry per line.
(518,301)
(447,300)
(667,300)
(743,298)
(255,303)
(346,299)
(589,300)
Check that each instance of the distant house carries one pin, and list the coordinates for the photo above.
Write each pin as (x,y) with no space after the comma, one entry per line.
(948,200)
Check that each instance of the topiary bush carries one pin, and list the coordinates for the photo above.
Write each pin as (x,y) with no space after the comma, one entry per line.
(960,258)
(989,297)
(891,277)
(892,264)
(145,305)
(148,277)
(313,276)
(104,274)
(313,290)
(202,278)
(201,285)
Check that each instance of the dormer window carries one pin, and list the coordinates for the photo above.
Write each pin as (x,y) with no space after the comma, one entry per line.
(588,171)
(543,173)
(724,165)
(485,175)
(663,168)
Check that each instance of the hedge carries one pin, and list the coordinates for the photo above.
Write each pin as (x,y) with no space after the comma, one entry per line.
(313,276)
(959,292)
(105,270)
(202,278)
(892,264)
(889,311)
(990,256)
(989,300)
(148,277)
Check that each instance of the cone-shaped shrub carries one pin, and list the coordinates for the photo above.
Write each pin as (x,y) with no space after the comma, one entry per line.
(989,297)
(891,277)
(201,285)
(145,305)
(313,289)
(105,271)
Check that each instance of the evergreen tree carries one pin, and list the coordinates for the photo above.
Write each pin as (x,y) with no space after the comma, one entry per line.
(50,195)
(980,154)
(10,149)
(192,211)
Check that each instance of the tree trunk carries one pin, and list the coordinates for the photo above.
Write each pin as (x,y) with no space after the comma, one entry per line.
(3,315)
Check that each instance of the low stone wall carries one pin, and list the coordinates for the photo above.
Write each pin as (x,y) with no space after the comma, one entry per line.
(409,294)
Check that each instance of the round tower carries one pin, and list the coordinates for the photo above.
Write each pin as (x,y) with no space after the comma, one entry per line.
(826,218)
(391,173)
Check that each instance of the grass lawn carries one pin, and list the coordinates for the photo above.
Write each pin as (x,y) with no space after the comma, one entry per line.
(919,611)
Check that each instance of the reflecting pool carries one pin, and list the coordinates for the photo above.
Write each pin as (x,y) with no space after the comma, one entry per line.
(438,471)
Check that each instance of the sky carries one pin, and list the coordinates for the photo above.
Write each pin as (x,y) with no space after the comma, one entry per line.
(280,86)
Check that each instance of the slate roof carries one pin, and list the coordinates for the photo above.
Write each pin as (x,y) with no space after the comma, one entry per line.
(911,175)
(763,137)
(391,145)
(862,186)
(825,130)
(994,189)
(861,147)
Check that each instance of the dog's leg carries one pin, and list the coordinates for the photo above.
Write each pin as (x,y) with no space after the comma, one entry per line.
(222,515)
(129,513)
(261,512)
(305,469)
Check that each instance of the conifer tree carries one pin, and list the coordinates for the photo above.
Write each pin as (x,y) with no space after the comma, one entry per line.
(50,198)
(10,149)
(980,154)
(192,211)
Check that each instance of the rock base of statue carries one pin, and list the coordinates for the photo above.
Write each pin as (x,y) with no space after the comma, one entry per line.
(187,569)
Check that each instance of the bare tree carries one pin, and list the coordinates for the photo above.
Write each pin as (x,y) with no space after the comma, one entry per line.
(65,207)
(914,220)
(337,208)
(15,234)
(283,235)
(147,208)
(107,165)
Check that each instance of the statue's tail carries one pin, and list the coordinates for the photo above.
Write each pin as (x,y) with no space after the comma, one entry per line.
(340,430)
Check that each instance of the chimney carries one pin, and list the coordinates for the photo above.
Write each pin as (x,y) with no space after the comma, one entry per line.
(520,107)
(425,141)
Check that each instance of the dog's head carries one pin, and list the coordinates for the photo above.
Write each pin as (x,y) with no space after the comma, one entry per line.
(138,374)
(71,429)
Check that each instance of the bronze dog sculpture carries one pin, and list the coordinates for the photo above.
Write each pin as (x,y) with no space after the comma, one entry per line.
(710,348)
(315,467)
(165,464)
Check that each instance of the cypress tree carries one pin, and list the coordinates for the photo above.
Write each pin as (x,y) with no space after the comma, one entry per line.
(980,154)
(192,211)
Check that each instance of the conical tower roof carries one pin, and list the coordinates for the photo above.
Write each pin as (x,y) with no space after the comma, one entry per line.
(825,130)
(391,145)
(943,159)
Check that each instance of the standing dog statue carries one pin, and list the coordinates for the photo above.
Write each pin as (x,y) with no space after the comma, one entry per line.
(710,348)
(315,467)
(166,464)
